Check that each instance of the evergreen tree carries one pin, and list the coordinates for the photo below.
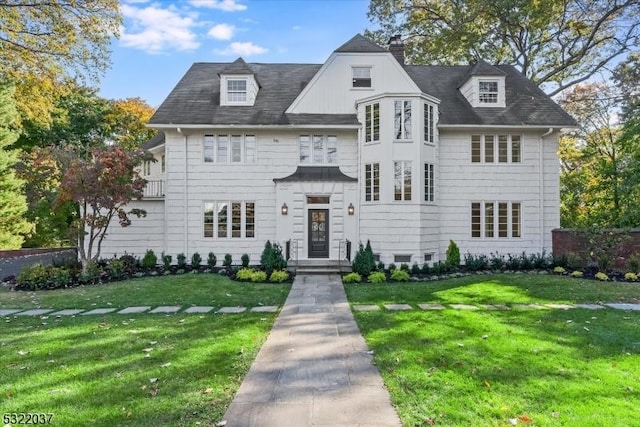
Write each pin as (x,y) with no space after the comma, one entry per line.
(13,204)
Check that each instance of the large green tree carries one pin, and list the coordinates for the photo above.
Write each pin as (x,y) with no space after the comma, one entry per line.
(556,43)
(44,42)
(13,204)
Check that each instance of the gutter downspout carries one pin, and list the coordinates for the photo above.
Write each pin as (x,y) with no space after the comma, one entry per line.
(541,187)
(184,195)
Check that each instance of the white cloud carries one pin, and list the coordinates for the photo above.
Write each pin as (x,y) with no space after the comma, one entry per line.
(242,49)
(222,31)
(225,5)
(155,30)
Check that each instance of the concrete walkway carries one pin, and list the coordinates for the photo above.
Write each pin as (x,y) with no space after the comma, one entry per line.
(314,369)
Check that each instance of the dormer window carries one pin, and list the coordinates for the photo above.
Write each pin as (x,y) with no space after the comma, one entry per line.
(361,77)
(237,90)
(488,92)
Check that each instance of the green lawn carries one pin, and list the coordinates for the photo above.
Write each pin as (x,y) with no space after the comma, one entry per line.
(484,368)
(188,289)
(134,370)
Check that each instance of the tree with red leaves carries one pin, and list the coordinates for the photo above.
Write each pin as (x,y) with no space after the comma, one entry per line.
(102,186)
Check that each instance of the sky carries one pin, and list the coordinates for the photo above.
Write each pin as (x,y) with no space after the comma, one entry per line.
(160,39)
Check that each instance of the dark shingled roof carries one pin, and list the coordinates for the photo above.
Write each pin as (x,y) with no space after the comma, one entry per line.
(526,104)
(196,98)
(483,68)
(317,173)
(359,44)
(157,140)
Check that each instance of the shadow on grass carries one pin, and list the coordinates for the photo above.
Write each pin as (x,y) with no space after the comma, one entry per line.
(575,367)
(170,370)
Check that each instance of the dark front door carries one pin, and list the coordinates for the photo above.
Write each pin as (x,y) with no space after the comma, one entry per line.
(318,233)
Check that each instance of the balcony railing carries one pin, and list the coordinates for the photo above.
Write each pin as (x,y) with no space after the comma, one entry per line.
(154,190)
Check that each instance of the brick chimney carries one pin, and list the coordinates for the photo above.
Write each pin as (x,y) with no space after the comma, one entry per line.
(396,47)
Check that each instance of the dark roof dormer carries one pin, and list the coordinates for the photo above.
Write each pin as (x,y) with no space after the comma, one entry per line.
(238,84)
(485,86)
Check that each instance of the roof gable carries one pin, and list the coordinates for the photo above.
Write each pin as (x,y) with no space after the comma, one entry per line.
(360,44)
(237,67)
(483,68)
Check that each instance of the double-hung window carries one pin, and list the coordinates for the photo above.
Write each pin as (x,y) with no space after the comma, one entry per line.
(372,122)
(229,149)
(402,181)
(402,120)
(501,148)
(429,182)
(224,219)
(361,77)
(237,90)
(496,219)
(318,149)
(488,92)
(429,124)
(372,182)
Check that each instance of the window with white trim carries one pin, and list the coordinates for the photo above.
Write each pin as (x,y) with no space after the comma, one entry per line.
(501,148)
(487,92)
(372,122)
(429,124)
(318,149)
(146,167)
(402,120)
(229,148)
(229,219)
(361,77)
(429,182)
(402,181)
(489,216)
(237,90)
(163,164)
(404,259)
(372,182)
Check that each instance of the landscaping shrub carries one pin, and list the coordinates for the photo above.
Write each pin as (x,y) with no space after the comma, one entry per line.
(425,268)
(244,274)
(380,266)
(575,261)
(228,260)
(245,260)
(40,276)
(513,262)
(259,276)
(559,260)
(182,261)
(496,261)
(115,268)
(149,260)
(377,277)
(272,258)
(279,276)
(211,260)
(577,274)
(634,263)
(404,267)
(196,260)
(392,267)
(631,277)
(453,255)
(475,262)
(400,275)
(131,263)
(364,262)
(602,276)
(91,272)
(526,262)
(559,270)
(352,278)
(166,261)
(540,261)
(439,268)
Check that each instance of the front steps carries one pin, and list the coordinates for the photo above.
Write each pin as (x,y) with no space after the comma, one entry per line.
(319,266)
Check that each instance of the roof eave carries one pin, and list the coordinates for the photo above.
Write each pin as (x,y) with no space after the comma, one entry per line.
(253,126)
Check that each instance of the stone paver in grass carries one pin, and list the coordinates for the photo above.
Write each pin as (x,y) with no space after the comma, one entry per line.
(7,312)
(560,306)
(521,307)
(495,307)
(35,312)
(166,309)
(366,307)
(398,307)
(232,310)
(135,310)
(624,306)
(265,309)
(463,307)
(590,306)
(67,312)
(431,306)
(538,307)
(198,309)
(97,311)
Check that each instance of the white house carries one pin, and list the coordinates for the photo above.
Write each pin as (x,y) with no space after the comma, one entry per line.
(362,147)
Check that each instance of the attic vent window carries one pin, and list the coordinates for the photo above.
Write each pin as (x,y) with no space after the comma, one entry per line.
(237,90)
(361,76)
(488,92)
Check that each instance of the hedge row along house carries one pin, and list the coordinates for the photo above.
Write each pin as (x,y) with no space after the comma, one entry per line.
(362,147)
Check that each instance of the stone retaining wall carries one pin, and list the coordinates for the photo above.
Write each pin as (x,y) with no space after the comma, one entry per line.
(36,251)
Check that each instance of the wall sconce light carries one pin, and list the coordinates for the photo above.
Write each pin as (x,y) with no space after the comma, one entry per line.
(284,209)
(351,210)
